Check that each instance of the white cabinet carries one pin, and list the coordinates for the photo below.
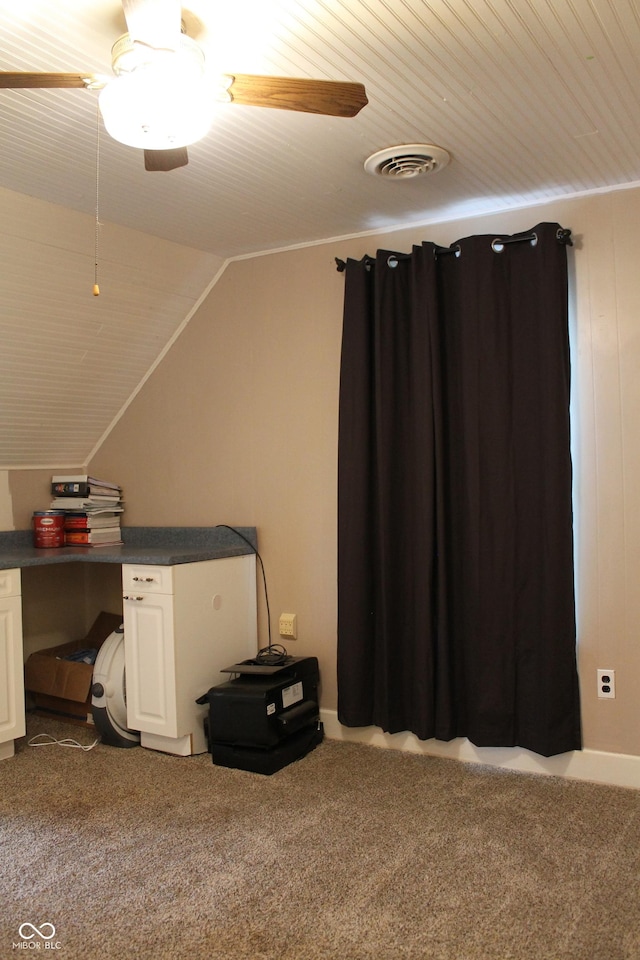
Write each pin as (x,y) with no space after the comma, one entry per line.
(12,716)
(182,625)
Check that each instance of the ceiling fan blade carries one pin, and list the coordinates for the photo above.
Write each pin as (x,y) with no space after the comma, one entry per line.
(166,159)
(21,81)
(156,23)
(329,97)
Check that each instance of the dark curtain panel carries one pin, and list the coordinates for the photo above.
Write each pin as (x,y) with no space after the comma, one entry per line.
(455,546)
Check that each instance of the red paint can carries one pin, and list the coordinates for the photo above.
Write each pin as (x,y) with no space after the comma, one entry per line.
(48,528)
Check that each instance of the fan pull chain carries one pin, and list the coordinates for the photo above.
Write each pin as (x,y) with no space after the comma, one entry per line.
(96,288)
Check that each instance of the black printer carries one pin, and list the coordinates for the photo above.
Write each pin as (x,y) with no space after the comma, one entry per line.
(266,716)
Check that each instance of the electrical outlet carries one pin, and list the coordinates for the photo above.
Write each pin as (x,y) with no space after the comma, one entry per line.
(607,684)
(288,626)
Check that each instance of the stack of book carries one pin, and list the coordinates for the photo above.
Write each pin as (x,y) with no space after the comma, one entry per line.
(92,509)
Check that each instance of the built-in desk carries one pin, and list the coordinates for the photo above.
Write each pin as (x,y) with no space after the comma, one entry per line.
(189,609)
(154,545)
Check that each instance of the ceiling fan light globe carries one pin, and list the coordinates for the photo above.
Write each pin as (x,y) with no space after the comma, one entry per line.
(152,111)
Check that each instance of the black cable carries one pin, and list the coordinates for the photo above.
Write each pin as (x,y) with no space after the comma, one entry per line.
(267,654)
(272,656)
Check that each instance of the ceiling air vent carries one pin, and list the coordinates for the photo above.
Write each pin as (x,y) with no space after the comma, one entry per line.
(407,160)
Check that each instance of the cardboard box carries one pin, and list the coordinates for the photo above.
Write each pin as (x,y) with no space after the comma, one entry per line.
(64,686)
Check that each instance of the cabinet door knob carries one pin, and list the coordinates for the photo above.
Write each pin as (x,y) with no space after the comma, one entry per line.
(132,598)
(143,579)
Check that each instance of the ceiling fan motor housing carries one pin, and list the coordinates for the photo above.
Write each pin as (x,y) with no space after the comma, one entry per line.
(187,58)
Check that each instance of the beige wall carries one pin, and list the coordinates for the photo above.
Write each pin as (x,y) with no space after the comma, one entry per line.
(239,425)
(31,490)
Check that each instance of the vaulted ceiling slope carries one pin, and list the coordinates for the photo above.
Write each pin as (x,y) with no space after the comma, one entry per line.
(69,361)
(534,99)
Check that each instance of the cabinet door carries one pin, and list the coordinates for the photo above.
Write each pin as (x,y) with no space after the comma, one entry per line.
(12,719)
(150,665)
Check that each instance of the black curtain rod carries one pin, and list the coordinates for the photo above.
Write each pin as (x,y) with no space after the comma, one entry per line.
(563,235)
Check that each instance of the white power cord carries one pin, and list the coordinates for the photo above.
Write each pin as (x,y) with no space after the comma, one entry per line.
(50,741)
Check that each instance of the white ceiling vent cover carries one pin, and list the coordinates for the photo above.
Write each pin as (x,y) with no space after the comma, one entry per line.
(407,160)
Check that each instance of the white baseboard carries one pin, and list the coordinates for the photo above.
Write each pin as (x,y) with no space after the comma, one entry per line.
(596,766)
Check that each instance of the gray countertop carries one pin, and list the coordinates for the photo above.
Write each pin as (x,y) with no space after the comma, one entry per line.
(164,546)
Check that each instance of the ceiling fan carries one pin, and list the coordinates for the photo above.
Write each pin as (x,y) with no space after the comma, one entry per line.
(160,99)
